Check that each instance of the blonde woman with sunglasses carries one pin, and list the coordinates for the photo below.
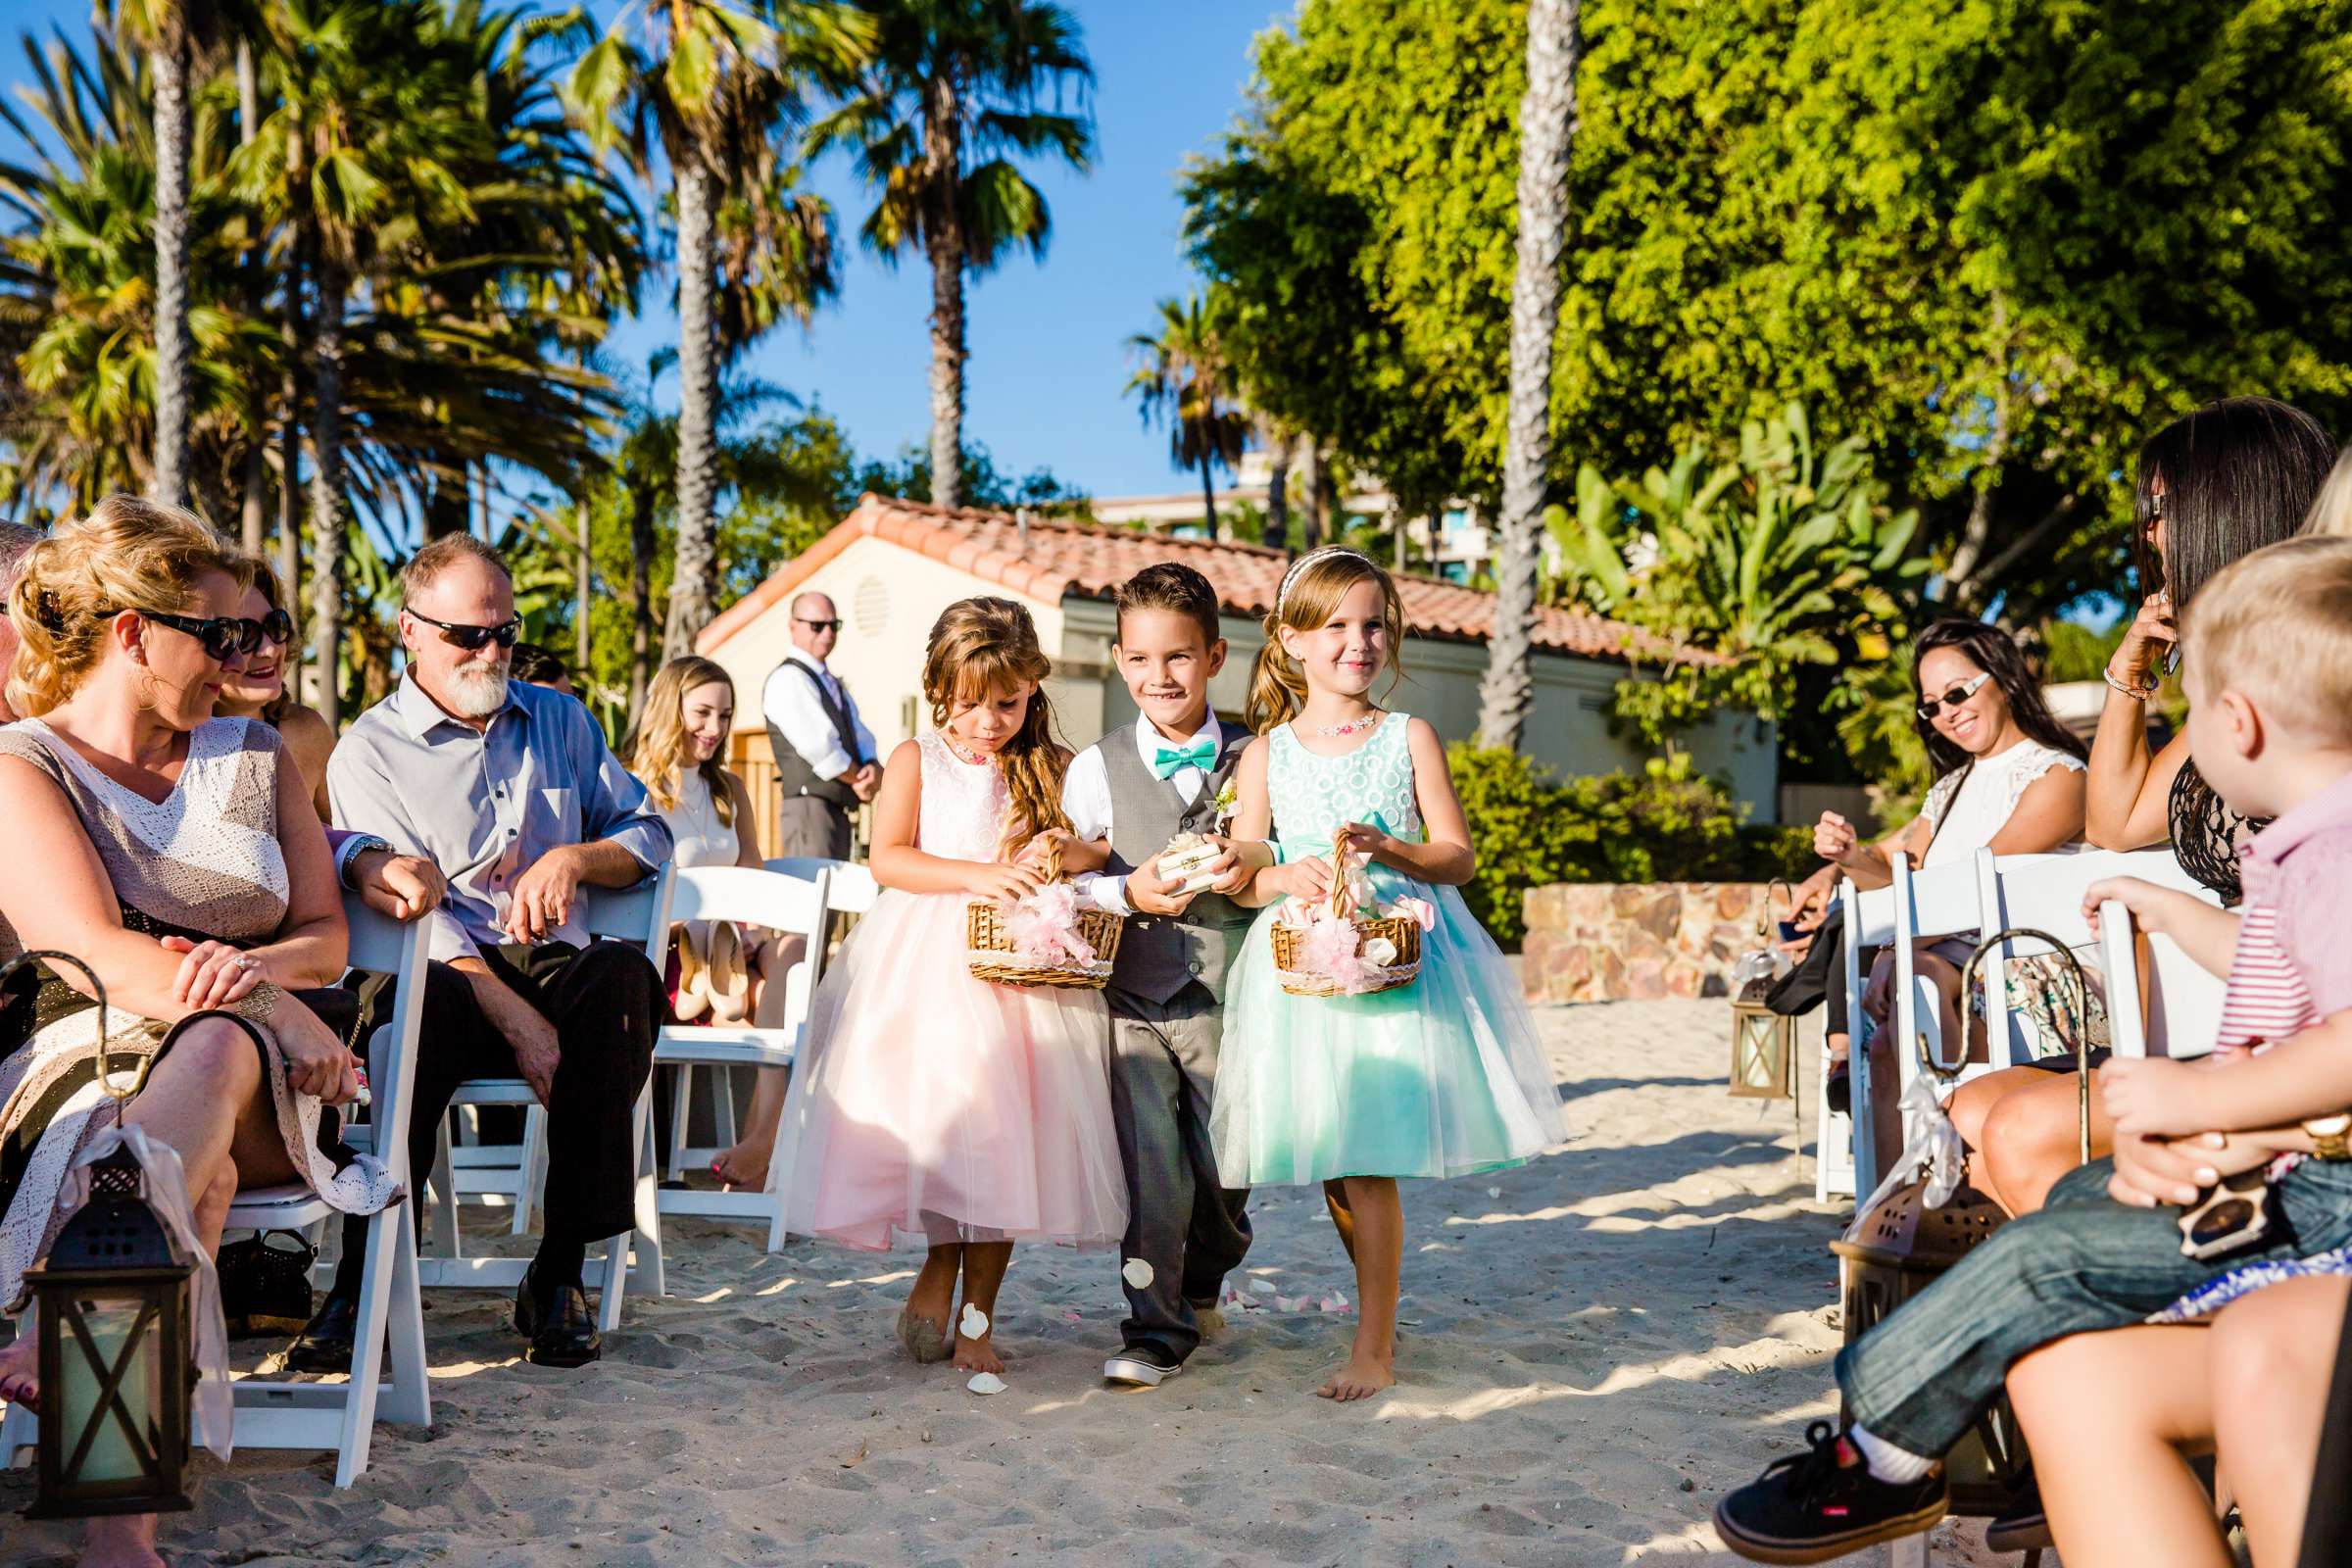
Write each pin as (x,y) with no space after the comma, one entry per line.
(258,689)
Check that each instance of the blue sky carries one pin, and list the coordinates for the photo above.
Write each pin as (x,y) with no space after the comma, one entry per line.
(1047,341)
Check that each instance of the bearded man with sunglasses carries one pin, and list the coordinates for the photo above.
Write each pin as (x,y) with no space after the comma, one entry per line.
(511,791)
(824,752)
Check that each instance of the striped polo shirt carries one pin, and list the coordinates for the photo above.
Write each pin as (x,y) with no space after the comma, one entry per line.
(2294,967)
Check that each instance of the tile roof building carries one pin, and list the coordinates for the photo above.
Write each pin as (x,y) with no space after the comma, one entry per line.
(892,565)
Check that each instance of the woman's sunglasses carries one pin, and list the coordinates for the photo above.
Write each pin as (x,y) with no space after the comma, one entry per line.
(221,636)
(277,627)
(1953,698)
(470,638)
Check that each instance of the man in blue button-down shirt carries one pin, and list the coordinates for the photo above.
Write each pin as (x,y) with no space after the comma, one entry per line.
(510,789)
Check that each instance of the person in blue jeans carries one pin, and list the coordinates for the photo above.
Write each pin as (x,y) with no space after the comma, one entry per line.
(2269,674)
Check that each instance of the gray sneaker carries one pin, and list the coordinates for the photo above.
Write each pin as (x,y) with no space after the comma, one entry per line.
(1142,1366)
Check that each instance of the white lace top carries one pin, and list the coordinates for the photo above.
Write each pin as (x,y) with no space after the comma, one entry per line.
(1968,806)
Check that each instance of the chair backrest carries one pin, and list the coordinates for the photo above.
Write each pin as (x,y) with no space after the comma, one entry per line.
(639,913)
(2183,1001)
(382,945)
(850,889)
(789,905)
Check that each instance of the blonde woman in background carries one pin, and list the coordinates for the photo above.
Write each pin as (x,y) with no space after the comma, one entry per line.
(680,736)
(2331,514)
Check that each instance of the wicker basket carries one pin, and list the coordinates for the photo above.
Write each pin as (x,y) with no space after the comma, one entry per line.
(1402,934)
(990,955)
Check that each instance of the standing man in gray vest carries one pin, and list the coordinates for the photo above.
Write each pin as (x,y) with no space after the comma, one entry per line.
(1139,786)
(824,752)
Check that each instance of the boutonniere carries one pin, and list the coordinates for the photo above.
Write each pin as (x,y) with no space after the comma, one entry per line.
(1227,804)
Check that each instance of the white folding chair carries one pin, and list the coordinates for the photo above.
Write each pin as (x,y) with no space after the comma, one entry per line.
(790,907)
(1918,905)
(342,1416)
(640,915)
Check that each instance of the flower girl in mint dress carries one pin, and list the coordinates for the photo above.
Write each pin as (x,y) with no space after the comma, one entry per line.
(1440,1077)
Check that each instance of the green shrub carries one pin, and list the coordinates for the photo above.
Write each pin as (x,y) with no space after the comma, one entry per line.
(1663,824)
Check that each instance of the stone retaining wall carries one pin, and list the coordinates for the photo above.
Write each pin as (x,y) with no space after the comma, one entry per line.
(1619,942)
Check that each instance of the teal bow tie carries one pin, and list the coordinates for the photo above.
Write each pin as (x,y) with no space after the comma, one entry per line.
(1171,759)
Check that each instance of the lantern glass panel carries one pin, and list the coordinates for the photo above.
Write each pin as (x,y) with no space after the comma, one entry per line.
(109,1456)
(1763,1048)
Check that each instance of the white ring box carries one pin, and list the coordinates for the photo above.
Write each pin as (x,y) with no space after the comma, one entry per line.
(1185,856)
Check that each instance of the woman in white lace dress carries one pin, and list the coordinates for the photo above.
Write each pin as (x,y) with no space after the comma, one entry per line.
(178,856)
(2009,778)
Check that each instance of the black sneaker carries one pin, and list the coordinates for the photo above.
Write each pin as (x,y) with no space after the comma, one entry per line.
(2022,1525)
(1815,1506)
(1142,1365)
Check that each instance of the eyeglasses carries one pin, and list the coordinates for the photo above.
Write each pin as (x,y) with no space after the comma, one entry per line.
(1953,698)
(820,626)
(472,639)
(277,627)
(221,636)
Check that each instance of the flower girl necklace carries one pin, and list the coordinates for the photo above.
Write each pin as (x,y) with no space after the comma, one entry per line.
(1352,725)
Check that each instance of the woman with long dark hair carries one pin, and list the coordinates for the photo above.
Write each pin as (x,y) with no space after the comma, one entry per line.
(2009,778)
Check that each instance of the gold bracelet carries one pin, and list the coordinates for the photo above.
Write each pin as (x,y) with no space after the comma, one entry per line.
(2138,694)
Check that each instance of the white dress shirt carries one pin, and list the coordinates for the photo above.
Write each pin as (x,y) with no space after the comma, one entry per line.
(1086,798)
(790,703)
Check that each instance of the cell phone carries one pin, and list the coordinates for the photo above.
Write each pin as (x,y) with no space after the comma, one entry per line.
(2235,1212)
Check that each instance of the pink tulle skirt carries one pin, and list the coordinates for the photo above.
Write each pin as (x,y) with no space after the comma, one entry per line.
(930,1105)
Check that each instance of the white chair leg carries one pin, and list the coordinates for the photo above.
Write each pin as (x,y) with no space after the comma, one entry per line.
(681,1101)
(1912,1551)
(652,1272)
(19,1433)
(411,1399)
(470,1127)
(445,1195)
(366,1350)
(723,1107)
(530,1164)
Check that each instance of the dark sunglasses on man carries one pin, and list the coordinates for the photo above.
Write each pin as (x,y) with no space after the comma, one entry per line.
(1953,698)
(470,638)
(819,625)
(221,636)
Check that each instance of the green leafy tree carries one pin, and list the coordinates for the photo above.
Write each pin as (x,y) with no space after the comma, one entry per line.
(1999,241)
(1780,558)
(1185,383)
(908,476)
(960,90)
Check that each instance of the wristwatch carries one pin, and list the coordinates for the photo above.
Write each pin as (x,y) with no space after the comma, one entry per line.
(350,849)
(2327,1136)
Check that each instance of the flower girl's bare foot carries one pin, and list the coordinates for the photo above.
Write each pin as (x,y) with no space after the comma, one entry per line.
(1362,1378)
(978,1356)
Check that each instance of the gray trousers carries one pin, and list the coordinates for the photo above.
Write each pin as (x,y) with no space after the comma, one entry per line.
(816,828)
(1193,1232)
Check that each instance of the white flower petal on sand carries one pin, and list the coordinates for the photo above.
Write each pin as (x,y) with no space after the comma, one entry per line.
(1494,1192)
(973,1323)
(1380,950)
(1137,1273)
(986,1383)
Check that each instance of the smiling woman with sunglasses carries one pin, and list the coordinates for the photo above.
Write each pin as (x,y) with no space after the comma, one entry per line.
(257,688)
(173,852)
(2008,777)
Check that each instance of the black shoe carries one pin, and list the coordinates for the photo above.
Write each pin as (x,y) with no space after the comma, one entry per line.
(2022,1525)
(1841,1089)
(563,1331)
(1142,1365)
(325,1342)
(1814,1507)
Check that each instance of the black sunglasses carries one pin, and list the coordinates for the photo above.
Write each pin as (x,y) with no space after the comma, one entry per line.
(472,638)
(277,627)
(1955,696)
(820,626)
(221,636)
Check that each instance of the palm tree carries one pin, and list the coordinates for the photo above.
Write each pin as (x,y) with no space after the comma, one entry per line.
(957,80)
(172,31)
(1182,379)
(720,82)
(1546,115)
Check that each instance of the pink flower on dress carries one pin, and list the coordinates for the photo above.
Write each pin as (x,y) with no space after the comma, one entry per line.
(1043,926)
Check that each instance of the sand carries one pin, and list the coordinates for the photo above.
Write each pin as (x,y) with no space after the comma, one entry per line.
(1593,1348)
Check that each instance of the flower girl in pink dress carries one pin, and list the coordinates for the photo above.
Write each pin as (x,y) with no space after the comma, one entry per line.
(929,1103)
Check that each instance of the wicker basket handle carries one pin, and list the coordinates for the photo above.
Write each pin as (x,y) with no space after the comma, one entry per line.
(1342,897)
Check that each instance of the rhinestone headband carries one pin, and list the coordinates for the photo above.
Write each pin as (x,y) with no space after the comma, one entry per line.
(1304,561)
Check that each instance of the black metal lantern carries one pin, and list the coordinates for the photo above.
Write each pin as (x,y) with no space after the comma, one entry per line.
(1763,1043)
(116,1363)
(1900,1247)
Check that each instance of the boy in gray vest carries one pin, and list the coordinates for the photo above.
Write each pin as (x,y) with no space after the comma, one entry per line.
(1139,786)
